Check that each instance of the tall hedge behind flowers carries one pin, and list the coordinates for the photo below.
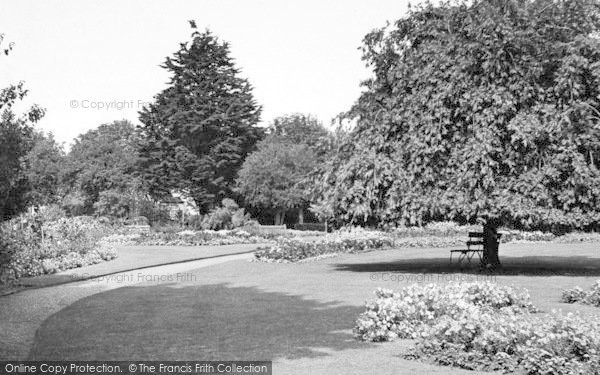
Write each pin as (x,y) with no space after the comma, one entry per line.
(34,248)
(296,249)
(482,326)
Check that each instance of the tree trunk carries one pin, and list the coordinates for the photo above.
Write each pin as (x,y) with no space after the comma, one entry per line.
(490,247)
(301,215)
(279,216)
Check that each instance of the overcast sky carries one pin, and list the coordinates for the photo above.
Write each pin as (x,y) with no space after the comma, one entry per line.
(300,56)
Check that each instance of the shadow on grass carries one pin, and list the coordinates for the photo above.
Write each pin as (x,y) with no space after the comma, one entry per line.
(526,266)
(210,322)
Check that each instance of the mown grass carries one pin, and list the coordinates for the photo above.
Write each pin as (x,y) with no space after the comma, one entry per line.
(300,314)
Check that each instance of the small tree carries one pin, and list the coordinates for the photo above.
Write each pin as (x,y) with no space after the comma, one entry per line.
(295,146)
(273,176)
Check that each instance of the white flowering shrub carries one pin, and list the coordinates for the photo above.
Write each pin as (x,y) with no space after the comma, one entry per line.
(296,249)
(589,297)
(407,313)
(482,326)
(487,340)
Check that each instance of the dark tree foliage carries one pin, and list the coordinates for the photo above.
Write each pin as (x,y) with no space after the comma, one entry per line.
(199,129)
(486,110)
(45,164)
(15,142)
(101,161)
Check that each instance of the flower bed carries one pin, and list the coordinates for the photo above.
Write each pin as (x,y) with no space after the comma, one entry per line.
(445,234)
(430,241)
(27,250)
(578,237)
(185,238)
(438,229)
(407,313)
(294,250)
(482,326)
(589,297)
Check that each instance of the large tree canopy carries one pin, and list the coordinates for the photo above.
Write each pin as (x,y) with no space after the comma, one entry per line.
(486,110)
(199,129)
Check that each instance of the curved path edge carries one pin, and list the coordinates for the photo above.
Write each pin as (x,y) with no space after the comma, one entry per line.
(71,277)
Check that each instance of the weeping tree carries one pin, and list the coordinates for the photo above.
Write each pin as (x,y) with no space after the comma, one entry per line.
(482,111)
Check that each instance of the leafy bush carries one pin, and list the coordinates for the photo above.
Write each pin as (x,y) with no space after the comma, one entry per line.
(194,221)
(113,203)
(139,220)
(484,340)
(296,249)
(79,233)
(590,297)
(155,213)
(228,216)
(51,212)
(16,242)
(482,326)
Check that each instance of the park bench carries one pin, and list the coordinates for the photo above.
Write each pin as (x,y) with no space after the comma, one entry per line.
(465,255)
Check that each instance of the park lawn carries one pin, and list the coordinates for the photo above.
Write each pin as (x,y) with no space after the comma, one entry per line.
(299,315)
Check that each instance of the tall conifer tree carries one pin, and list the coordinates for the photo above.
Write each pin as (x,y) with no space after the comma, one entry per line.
(199,130)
